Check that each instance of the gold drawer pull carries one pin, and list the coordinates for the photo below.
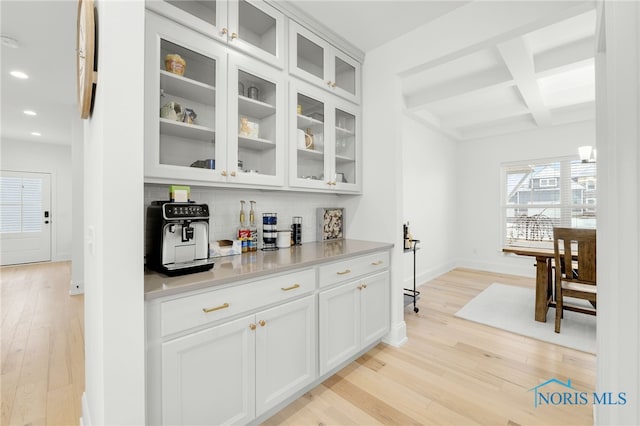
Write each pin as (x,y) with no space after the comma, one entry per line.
(293,287)
(346,271)
(378,263)
(217,308)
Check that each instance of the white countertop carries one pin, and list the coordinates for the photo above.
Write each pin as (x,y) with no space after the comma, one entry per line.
(257,264)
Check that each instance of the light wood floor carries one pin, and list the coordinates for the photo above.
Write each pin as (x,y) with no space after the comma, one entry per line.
(42,346)
(451,371)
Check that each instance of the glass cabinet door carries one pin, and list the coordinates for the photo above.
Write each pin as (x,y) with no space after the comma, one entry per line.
(258,29)
(206,16)
(308,147)
(346,149)
(346,76)
(185,88)
(307,55)
(256,122)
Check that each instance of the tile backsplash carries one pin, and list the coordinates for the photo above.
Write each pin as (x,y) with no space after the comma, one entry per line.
(224,205)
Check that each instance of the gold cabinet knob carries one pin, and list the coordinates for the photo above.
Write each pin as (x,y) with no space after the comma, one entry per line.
(333,84)
(329,83)
(262,323)
(360,287)
(364,286)
(223,173)
(252,326)
(234,36)
(233,174)
(224,31)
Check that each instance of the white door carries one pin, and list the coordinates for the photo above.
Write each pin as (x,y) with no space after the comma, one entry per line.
(339,324)
(285,351)
(25,217)
(208,377)
(375,308)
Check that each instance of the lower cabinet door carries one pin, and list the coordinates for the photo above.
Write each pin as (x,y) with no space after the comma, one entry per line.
(285,351)
(375,307)
(209,376)
(339,326)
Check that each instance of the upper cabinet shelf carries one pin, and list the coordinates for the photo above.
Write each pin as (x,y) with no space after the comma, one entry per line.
(254,108)
(187,88)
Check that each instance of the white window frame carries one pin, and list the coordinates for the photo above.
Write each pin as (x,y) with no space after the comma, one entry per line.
(566,207)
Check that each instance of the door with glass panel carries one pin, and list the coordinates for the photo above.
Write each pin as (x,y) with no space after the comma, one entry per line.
(345,170)
(313,59)
(25,217)
(309,149)
(251,26)
(185,101)
(256,122)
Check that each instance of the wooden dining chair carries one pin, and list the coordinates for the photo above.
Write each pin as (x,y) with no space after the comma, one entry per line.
(575,272)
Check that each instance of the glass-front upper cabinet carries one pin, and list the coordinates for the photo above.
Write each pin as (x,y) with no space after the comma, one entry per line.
(318,62)
(256,122)
(185,97)
(324,139)
(251,26)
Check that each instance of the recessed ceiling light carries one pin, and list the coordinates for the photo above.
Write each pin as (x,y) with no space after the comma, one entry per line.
(19,74)
(9,42)
(36,133)
(29,112)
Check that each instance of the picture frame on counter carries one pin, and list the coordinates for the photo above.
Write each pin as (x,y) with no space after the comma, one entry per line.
(330,223)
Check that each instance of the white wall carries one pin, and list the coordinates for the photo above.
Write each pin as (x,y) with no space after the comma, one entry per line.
(618,121)
(224,206)
(114,233)
(429,189)
(50,158)
(479,219)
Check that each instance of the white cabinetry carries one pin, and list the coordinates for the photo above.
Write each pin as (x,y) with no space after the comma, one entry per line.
(232,371)
(352,316)
(233,354)
(325,141)
(252,27)
(209,149)
(313,59)
(209,377)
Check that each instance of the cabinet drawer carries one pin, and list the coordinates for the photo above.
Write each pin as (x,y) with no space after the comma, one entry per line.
(203,308)
(352,268)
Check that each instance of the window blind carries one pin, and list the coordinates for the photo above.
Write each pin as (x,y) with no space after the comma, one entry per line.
(20,204)
(540,195)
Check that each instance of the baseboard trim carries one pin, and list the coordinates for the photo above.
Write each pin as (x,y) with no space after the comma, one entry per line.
(397,335)
(85,418)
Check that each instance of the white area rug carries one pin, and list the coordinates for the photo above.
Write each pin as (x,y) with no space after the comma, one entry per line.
(511,308)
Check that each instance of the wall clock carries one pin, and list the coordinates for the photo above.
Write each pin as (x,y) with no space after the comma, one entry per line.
(85,54)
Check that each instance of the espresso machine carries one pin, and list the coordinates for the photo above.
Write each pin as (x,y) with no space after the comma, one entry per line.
(177,237)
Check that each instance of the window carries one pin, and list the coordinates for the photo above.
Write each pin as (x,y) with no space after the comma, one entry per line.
(20,204)
(538,195)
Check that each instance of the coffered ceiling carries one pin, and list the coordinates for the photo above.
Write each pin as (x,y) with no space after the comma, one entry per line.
(544,77)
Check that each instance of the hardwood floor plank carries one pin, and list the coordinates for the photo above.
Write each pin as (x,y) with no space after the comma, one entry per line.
(453,371)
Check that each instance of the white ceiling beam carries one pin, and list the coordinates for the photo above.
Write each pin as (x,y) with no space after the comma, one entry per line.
(519,60)
(564,57)
(517,124)
(487,80)
(527,17)
(488,116)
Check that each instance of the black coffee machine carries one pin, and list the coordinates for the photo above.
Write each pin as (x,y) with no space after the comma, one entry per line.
(177,237)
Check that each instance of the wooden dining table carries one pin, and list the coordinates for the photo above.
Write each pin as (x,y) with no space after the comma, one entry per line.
(544,277)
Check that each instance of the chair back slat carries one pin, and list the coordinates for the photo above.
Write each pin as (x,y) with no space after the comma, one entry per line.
(579,254)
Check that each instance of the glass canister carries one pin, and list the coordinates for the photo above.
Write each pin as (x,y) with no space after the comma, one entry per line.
(269,231)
